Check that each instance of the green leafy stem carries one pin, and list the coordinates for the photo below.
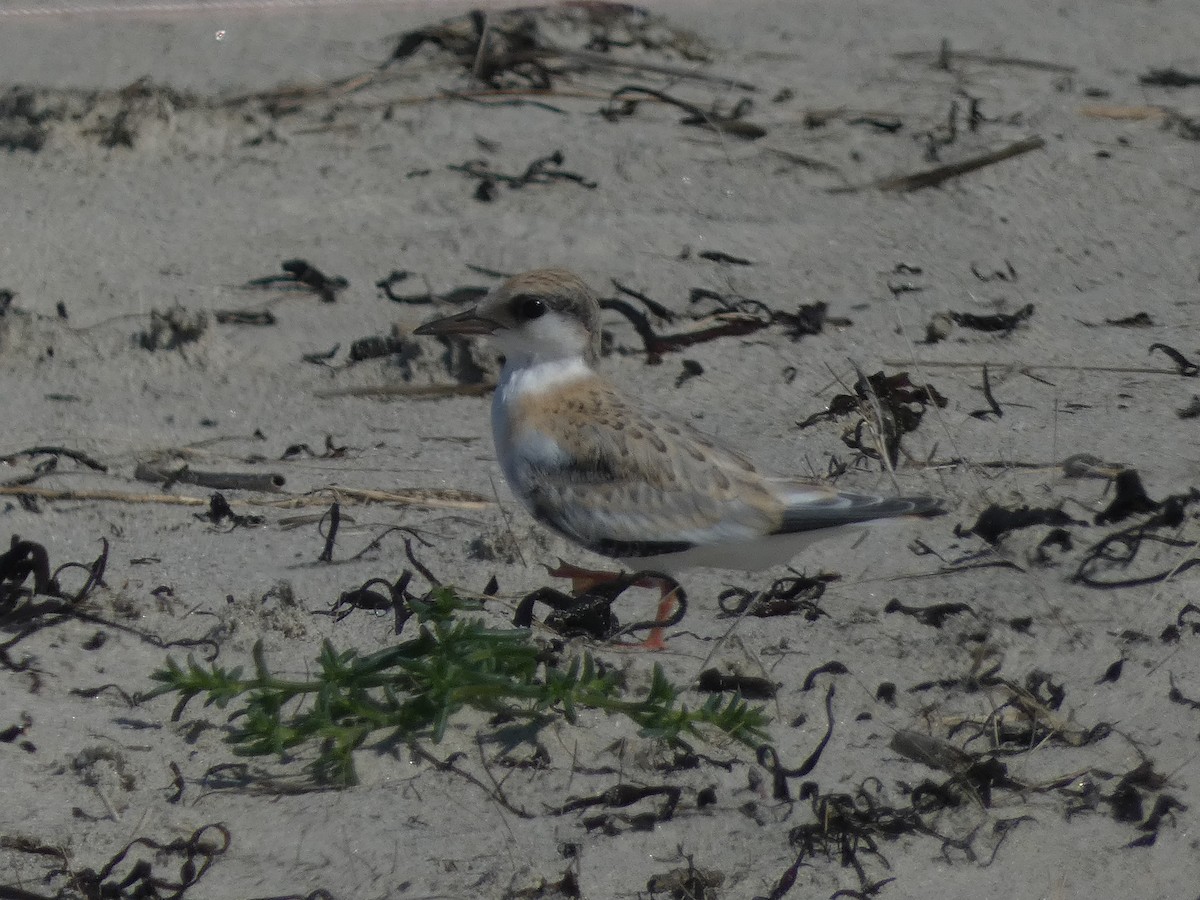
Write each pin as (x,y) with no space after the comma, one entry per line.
(413,690)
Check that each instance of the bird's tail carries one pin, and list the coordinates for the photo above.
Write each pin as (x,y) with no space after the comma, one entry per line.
(811,507)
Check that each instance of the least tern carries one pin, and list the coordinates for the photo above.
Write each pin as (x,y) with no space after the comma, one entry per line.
(619,478)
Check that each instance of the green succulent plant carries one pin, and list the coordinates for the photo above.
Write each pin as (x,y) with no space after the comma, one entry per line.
(414,689)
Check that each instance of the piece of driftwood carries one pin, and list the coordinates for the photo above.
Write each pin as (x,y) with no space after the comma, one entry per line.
(427,497)
(160,472)
(937,175)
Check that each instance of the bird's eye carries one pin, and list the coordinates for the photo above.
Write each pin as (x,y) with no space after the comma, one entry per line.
(527,307)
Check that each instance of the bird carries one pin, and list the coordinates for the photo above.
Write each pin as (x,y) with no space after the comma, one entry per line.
(625,480)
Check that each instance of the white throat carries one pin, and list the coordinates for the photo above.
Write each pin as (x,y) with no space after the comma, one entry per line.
(524,375)
(553,338)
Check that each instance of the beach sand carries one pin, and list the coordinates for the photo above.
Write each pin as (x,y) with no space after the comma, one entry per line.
(127,199)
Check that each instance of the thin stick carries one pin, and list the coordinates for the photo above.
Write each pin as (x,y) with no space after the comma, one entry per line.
(1123,113)
(434,499)
(878,425)
(412,391)
(44,493)
(988,59)
(1021,367)
(498,93)
(603,59)
(938,413)
(508,523)
(938,174)
(799,159)
(481,50)
(720,642)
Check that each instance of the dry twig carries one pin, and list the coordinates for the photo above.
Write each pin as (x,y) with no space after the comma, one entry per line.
(427,497)
(939,174)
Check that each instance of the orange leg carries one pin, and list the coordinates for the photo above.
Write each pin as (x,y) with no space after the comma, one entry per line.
(584,580)
(666,606)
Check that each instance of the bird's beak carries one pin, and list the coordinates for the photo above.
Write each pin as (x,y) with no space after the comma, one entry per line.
(469,322)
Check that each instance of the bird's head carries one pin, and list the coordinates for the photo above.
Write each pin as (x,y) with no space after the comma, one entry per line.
(538,316)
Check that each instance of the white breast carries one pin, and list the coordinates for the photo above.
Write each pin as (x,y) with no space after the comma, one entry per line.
(518,449)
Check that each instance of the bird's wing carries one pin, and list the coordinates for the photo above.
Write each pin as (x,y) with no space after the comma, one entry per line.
(626,481)
(629,481)
(808,507)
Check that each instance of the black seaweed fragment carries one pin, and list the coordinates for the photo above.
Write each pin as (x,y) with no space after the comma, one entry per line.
(299,273)
(619,797)
(719,256)
(751,687)
(375,346)
(17,564)
(543,170)
(1004,323)
(768,757)
(996,521)
(244,317)
(808,319)
(21,123)
(1112,673)
(198,852)
(1008,273)
(993,407)
(219,511)
(1137,320)
(691,883)
(387,284)
(1185,366)
(1169,77)
(1176,696)
(901,405)
(656,309)
(934,616)
(398,599)
(1120,548)
(172,329)
(704,329)
(75,455)
(589,614)
(690,369)
(624,102)
(334,515)
(1056,537)
(1131,499)
(785,596)
(321,357)
(833,667)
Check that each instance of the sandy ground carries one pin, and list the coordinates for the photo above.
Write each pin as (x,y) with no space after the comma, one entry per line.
(176,193)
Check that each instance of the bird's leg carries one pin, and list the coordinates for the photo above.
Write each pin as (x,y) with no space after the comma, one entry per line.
(586,580)
(666,606)
(582,580)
